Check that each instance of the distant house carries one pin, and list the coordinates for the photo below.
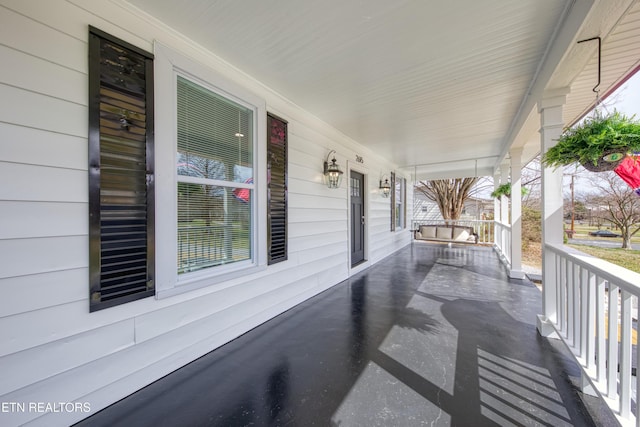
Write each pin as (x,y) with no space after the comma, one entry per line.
(478,208)
(424,209)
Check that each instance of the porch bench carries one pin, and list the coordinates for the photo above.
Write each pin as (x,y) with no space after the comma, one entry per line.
(446,233)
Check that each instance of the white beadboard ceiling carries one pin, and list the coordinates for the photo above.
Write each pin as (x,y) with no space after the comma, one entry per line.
(442,88)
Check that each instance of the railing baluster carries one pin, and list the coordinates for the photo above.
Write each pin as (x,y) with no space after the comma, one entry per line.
(581,312)
(595,305)
(587,323)
(577,302)
(565,297)
(625,355)
(554,271)
(612,347)
(557,261)
(600,340)
(562,286)
(570,304)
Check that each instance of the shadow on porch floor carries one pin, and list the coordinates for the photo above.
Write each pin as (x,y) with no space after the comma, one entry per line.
(432,335)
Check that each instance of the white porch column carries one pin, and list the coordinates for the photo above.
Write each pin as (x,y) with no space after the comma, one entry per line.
(496,209)
(516,214)
(550,109)
(504,205)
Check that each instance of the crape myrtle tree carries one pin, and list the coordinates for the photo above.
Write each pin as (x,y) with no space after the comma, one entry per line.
(448,194)
(622,205)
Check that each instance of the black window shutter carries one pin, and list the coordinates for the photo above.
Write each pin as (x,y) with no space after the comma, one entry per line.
(393,201)
(276,189)
(121,175)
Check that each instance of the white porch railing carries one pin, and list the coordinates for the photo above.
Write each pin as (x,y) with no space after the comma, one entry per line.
(595,300)
(503,241)
(483,228)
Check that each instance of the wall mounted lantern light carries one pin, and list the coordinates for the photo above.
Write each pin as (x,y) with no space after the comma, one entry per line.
(332,172)
(385,187)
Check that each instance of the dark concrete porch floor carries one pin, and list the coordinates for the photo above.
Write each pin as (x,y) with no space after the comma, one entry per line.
(432,335)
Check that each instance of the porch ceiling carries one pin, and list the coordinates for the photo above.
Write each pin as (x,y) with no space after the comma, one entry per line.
(444,87)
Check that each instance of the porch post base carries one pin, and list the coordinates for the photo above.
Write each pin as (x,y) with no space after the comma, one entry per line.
(516,274)
(545,328)
(586,386)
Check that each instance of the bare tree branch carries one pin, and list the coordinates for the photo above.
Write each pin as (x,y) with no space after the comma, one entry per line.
(448,194)
(623,205)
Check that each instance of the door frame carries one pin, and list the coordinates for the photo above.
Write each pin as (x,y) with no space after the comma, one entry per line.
(360,168)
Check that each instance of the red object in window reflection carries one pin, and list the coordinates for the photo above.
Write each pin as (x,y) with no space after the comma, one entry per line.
(243,194)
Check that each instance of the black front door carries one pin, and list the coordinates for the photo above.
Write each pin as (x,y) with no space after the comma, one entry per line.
(356,187)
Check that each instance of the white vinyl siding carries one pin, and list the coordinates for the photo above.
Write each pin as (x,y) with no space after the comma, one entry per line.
(44,309)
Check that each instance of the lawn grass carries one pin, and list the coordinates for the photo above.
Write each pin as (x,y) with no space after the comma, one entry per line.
(628,259)
(582,231)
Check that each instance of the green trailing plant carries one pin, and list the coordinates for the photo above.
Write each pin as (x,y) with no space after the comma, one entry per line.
(505,190)
(598,143)
(502,190)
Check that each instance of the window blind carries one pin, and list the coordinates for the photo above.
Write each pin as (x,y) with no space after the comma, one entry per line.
(215,178)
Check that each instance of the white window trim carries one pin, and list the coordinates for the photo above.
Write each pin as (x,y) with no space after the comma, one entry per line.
(167,65)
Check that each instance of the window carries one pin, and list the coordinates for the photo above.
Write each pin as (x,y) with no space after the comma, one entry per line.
(121,172)
(398,206)
(211,181)
(214,179)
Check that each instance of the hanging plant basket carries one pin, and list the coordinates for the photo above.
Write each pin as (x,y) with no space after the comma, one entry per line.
(599,143)
(609,160)
(502,190)
(505,190)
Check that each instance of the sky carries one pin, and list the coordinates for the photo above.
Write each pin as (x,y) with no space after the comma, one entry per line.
(627,98)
